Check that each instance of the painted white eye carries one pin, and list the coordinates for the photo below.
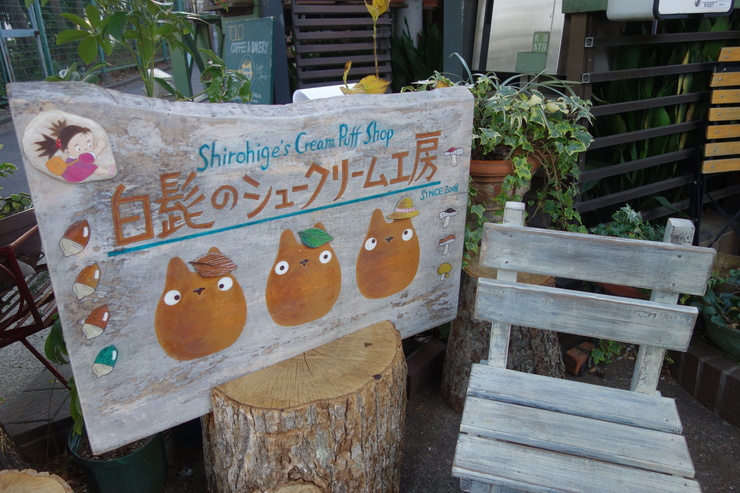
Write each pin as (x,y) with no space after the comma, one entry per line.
(225,283)
(370,244)
(172,297)
(281,267)
(407,234)
(325,257)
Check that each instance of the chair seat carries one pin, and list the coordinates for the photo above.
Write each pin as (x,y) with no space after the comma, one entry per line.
(569,436)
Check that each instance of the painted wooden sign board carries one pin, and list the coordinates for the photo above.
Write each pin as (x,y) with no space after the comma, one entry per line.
(247,49)
(190,244)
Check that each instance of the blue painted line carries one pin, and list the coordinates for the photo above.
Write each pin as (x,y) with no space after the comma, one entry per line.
(139,248)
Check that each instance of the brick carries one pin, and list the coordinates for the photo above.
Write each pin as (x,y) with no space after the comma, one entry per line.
(708,385)
(729,405)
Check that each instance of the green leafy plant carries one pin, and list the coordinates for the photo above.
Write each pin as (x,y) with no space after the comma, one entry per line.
(628,223)
(71,74)
(14,203)
(411,62)
(55,350)
(525,117)
(143,28)
(721,301)
(605,351)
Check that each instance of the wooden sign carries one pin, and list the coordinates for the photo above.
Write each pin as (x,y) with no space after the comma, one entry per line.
(190,244)
(247,49)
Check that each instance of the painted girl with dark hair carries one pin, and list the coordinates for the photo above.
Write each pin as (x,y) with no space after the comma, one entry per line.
(78,149)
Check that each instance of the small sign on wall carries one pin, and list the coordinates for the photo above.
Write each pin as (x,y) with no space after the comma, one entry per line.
(248,49)
(189,244)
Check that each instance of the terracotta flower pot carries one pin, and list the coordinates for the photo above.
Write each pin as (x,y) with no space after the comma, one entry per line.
(488,177)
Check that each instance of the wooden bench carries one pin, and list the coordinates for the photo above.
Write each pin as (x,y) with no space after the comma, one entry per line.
(722,149)
(533,433)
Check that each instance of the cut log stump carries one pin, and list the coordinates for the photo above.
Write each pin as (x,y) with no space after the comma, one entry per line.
(328,420)
(530,350)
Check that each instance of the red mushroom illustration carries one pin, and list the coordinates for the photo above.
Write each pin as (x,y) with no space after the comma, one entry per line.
(445,216)
(445,242)
(454,152)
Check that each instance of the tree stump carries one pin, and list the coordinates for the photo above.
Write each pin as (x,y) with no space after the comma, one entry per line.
(328,420)
(530,350)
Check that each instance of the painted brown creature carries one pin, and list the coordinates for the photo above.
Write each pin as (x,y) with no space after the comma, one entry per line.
(305,279)
(202,312)
(389,256)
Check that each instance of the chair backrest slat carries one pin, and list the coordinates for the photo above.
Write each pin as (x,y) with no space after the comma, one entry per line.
(667,268)
(641,264)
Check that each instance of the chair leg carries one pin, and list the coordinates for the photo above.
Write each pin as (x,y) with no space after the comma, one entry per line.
(46,363)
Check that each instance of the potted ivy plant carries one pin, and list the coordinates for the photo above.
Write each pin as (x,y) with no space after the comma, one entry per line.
(628,223)
(521,124)
(720,309)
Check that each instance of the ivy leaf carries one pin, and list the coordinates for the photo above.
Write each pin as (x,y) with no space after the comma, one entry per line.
(314,237)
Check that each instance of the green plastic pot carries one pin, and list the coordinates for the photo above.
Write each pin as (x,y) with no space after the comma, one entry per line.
(727,339)
(142,471)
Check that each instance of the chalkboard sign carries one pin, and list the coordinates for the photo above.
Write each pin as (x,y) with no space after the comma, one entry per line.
(247,48)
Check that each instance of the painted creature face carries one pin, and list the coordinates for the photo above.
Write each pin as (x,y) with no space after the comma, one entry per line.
(389,257)
(202,312)
(305,281)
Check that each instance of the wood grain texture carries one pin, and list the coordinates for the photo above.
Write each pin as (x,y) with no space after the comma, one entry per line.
(535,433)
(328,421)
(589,314)
(644,264)
(571,397)
(578,435)
(548,472)
(192,177)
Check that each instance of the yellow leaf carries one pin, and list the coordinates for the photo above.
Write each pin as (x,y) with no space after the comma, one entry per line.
(377,8)
(368,85)
(347,66)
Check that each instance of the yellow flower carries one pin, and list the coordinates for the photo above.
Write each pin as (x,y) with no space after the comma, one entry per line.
(377,8)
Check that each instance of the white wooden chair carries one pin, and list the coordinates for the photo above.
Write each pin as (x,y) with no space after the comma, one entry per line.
(526,432)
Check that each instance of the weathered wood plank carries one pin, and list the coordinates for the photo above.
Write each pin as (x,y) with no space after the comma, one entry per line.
(577,435)
(615,405)
(588,314)
(530,469)
(580,256)
(295,199)
(724,114)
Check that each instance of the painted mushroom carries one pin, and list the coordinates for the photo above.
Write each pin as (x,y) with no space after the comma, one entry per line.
(454,152)
(445,215)
(75,238)
(444,270)
(87,280)
(96,322)
(445,242)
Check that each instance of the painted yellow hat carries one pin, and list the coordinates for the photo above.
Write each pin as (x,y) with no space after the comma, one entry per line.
(404,209)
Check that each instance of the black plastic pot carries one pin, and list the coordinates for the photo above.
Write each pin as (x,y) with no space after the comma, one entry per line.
(142,471)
